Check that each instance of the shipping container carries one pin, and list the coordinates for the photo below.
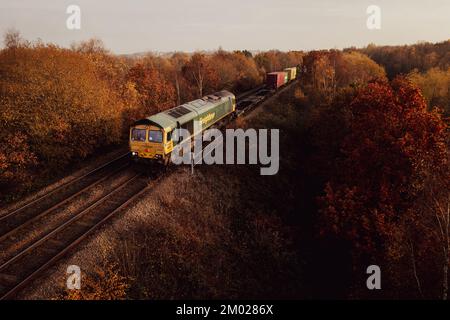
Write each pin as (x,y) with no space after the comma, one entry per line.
(285,77)
(292,73)
(275,80)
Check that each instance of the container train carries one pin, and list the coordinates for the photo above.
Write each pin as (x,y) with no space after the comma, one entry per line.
(154,138)
(274,80)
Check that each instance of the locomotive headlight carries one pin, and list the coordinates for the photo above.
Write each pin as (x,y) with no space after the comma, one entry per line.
(134,153)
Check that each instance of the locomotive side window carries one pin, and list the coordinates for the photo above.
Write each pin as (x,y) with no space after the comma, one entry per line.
(155,136)
(169,136)
(138,134)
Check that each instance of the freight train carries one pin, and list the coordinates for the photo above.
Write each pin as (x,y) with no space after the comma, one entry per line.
(154,138)
(274,80)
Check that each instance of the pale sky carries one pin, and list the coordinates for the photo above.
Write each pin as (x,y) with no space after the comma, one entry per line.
(130,26)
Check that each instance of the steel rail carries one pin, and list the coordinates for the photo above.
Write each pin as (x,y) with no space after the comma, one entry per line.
(26,205)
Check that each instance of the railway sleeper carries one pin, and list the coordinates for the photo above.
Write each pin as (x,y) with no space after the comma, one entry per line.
(8,279)
(49,250)
(56,243)
(86,224)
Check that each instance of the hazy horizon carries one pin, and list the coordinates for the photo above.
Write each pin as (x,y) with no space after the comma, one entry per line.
(140,26)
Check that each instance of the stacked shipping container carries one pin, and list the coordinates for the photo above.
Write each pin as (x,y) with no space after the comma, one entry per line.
(275,80)
(291,72)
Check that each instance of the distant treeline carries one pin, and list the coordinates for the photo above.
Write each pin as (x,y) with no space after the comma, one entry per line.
(426,64)
(404,59)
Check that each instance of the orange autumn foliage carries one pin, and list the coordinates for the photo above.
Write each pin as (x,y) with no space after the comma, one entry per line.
(155,94)
(55,106)
(199,71)
(59,106)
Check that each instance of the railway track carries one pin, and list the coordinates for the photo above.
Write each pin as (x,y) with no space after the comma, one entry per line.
(249,92)
(27,262)
(14,224)
(62,192)
(246,103)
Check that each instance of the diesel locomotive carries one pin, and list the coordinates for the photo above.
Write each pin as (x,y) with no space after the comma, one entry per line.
(154,137)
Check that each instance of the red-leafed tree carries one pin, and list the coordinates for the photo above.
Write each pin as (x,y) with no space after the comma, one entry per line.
(394,153)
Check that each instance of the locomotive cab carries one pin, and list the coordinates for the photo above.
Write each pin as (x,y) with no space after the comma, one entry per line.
(150,142)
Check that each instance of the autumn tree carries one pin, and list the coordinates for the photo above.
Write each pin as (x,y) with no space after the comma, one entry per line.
(109,67)
(354,68)
(54,106)
(318,75)
(91,46)
(268,61)
(404,59)
(246,53)
(227,74)
(12,39)
(324,72)
(17,161)
(178,60)
(200,72)
(435,86)
(275,60)
(155,93)
(393,148)
(236,72)
(248,74)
